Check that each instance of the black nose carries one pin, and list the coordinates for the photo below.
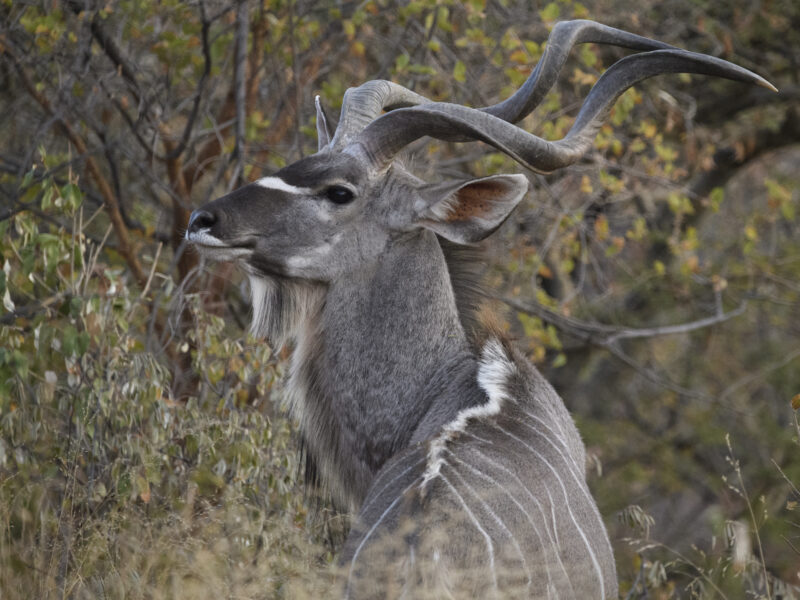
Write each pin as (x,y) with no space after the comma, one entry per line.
(201,219)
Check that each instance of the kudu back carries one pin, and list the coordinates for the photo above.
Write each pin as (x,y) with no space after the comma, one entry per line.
(465,467)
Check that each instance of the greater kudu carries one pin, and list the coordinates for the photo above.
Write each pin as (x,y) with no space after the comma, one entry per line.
(465,466)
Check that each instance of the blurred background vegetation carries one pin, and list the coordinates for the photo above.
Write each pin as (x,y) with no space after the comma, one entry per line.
(143,450)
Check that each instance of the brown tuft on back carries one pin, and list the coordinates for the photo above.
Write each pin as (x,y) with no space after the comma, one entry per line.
(465,265)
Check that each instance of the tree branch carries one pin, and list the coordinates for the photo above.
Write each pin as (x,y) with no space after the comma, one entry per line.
(110,200)
(750,146)
(599,334)
(242,27)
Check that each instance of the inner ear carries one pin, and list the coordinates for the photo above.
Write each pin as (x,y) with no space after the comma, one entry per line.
(467,212)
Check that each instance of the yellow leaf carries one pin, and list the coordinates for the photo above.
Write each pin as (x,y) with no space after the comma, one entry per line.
(586,185)
(583,78)
(796,402)
(460,72)
(357,49)
(601,227)
(518,56)
(579,11)
(719,283)
(144,488)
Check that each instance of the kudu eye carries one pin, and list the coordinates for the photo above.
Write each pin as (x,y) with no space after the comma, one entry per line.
(339,194)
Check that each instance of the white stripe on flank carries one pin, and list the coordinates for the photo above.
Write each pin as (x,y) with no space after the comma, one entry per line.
(568,458)
(370,532)
(494,369)
(595,563)
(554,542)
(276,183)
(558,437)
(553,515)
(497,519)
(581,483)
(477,524)
(366,505)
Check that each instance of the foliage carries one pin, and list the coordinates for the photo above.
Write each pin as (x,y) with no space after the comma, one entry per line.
(143,449)
(110,486)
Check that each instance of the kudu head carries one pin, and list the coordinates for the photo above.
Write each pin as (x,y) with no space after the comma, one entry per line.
(337,210)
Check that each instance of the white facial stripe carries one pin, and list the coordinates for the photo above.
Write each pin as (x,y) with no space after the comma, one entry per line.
(276,183)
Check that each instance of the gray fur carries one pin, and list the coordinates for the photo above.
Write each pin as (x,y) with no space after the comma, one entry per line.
(466,469)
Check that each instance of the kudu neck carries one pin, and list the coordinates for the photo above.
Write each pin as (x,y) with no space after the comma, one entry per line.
(396,322)
(391,345)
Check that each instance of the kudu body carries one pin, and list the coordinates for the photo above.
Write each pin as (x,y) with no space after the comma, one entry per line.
(465,466)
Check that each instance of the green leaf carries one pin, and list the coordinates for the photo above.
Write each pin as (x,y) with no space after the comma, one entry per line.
(69,341)
(550,12)
(460,72)
(716,197)
(401,62)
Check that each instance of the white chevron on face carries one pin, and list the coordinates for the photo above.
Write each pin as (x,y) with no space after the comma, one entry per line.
(276,183)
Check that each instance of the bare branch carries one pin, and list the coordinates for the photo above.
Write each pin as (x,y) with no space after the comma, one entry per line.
(187,130)
(110,200)
(727,161)
(750,378)
(607,335)
(628,333)
(128,72)
(242,27)
(298,138)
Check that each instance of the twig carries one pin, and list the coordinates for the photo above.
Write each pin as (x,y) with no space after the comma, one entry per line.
(688,562)
(608,335)
(298,137)
(791,545)
(746,497)
(748,379)
(628,333)
(789,481)
(199,93)
(152,272)
(109,199)
(629,595)
(242,26)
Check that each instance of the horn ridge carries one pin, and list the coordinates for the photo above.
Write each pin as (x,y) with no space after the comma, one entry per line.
(564,36)
(388,134)
(365,103)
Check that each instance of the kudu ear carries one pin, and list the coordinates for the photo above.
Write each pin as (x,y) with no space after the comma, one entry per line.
(468,211)
(324,130)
